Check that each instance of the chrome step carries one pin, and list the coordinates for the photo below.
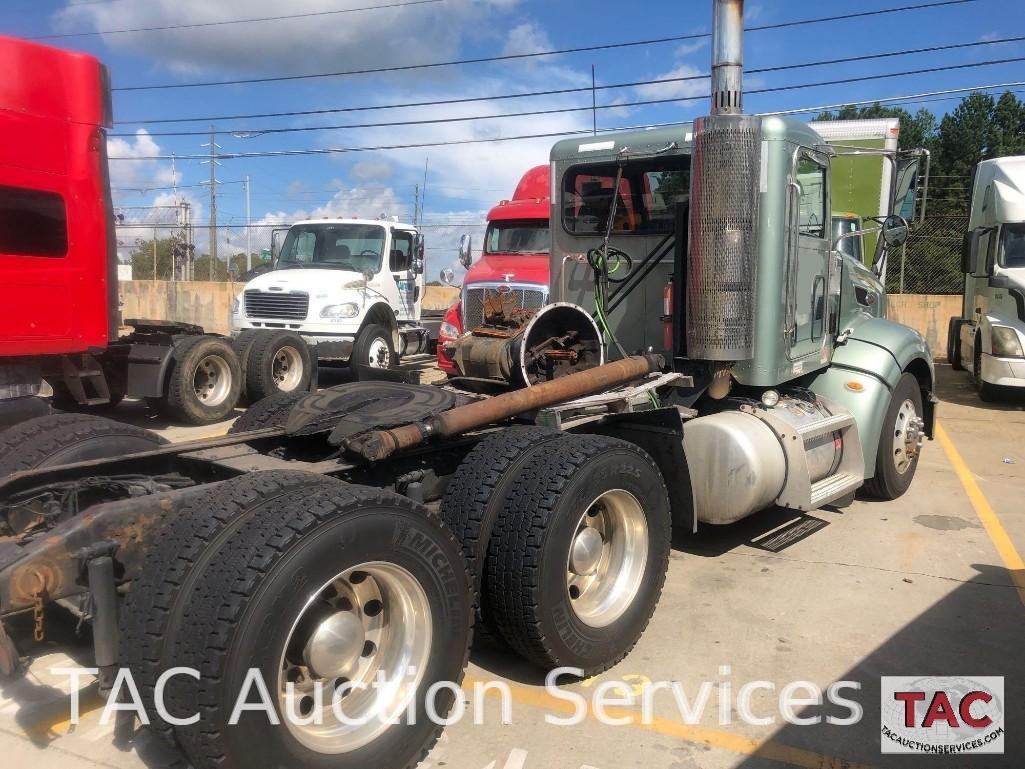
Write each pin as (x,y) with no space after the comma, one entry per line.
(832,424)
(833,487)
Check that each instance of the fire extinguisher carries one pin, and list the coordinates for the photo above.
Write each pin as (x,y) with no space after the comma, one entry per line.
(667,315)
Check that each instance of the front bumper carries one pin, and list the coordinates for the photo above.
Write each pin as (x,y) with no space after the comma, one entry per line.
(1004,372)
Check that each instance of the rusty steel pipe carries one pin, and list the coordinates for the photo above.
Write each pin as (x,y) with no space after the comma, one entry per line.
(381,444)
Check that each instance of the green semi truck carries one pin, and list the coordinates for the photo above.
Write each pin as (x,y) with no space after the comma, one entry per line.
(710,354)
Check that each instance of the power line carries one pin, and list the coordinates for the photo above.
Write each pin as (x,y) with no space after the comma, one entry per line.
(535,54)
(528,94)
(252,132)
(232,21)
(774,89)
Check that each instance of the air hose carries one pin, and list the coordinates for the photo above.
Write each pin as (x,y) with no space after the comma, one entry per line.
(605,261)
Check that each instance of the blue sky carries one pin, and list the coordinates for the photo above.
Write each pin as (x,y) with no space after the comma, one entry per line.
(463,181)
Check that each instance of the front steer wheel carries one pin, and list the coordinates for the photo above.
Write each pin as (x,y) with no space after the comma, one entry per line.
(328,588)
(578,556)
(373,348)
(899,442)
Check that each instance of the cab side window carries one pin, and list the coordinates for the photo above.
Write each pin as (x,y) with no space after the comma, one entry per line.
(401,258)
(811,181)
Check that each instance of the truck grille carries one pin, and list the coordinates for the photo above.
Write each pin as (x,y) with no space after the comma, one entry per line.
(523,297)
(293,305)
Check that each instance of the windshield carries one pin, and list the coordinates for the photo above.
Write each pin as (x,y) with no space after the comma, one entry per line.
(1012,245)
(356,247)
(517,237)
(852,245)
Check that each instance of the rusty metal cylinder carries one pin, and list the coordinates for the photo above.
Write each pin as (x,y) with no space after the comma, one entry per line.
(381,444)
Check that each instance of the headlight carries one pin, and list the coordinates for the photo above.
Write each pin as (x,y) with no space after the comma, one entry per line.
(448,331)
(1005,342)
(235,306)
(347,310)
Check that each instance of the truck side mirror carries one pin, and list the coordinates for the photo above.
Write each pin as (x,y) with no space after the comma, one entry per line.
(466,251)
(417,266)
(447,276)
(894,231)
(909,175)
(970,252)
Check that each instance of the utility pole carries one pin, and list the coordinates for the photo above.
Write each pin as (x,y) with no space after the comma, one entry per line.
(214,146)
(416,205)
(249,230)
(594,105)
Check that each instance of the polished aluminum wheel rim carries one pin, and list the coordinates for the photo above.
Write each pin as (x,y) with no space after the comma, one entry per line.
(365,637)
(380,355)
(287,369)
(908,433)
(212,380)
(607,558)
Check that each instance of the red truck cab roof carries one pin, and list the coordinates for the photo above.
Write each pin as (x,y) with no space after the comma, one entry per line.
(530,201)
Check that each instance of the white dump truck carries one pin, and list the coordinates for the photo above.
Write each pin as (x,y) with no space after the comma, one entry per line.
(339,289)
(988,338)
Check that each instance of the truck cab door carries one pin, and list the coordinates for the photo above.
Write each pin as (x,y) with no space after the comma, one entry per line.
(809,251)
(403,261)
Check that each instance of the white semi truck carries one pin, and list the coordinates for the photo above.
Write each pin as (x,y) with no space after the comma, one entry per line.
(988,338)
(340,289)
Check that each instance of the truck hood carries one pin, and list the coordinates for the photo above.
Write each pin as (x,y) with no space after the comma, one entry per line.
(509,268)
(306,279)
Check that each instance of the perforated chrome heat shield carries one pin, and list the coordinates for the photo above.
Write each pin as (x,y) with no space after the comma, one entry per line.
(723,246)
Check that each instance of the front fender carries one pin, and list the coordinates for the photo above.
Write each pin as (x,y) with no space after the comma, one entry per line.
(866,368)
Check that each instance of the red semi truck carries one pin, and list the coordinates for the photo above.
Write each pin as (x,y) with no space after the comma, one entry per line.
(58,259)
(514,261)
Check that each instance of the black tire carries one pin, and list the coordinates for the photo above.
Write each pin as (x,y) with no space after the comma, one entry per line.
(59,439)
(242,344)
(528,556)
(888,483)
(477,491)
(367,341)
(272,411)
(273,355)
(181,400)
(188,538)
(244,603)
(954,344)
(987,392)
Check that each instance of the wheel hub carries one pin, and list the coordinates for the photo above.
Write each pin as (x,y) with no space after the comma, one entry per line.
(336,646)
(908,436)
(607,557)
(586,552)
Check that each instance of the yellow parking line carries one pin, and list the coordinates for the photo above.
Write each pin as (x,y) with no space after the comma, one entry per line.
(716,738)
(990,521)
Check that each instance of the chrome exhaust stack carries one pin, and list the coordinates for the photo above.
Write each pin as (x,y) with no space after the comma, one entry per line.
(728,57)
(723,243)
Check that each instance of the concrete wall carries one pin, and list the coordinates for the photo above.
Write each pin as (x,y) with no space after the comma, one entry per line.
(208,304)
(929,314)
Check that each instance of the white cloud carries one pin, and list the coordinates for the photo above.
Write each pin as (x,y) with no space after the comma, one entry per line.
(677,90)
(364,39)
(127,172)
(373,169)
(686,49)
(526,38)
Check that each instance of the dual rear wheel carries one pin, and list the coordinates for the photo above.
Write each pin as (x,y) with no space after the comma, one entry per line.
(348,603)
(568,538)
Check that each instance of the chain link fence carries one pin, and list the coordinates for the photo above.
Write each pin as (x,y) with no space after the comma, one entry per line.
(930,261)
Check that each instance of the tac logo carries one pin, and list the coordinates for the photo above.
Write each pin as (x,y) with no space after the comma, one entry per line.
(946,715)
